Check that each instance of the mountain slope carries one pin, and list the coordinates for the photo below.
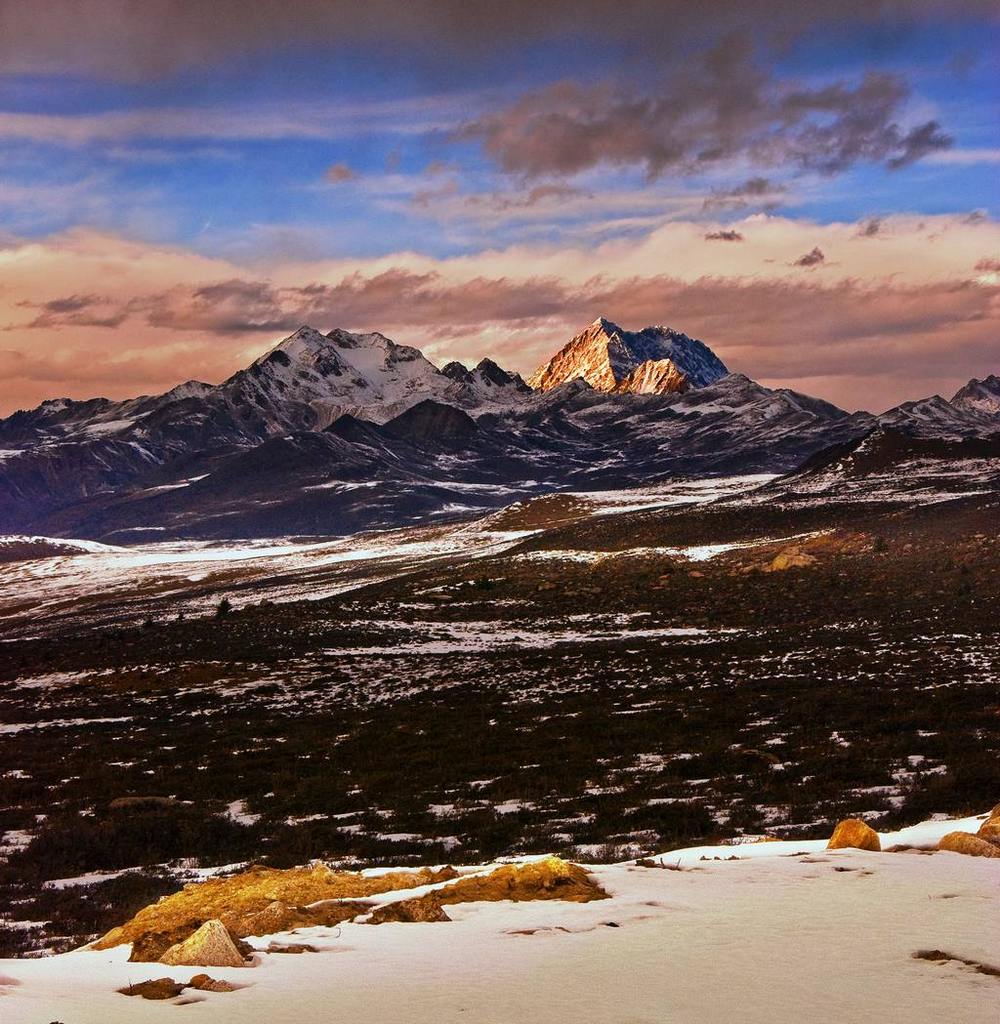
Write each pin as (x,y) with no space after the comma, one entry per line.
(335,433)
(437,459)
(979,396)
(609,358)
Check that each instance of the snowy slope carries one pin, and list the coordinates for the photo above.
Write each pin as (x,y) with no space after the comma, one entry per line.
(979,396)
(974,411)
(310,379)
(612,359)
(754,934)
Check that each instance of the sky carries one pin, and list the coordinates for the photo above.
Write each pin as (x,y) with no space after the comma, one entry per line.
(811,189)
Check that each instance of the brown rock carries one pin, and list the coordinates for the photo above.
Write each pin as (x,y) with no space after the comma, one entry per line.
(291,947)
(967,843)
(421,908)
(251,891)
(548,879)
(149,948)
(791,558)
(551,878)
(990,830)
(141,802)
(853,833)
(205,983)
(280,917)
(209,946)
(159,988)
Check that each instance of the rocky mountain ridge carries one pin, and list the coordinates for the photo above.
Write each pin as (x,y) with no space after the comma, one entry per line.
(332,433)
(655,360)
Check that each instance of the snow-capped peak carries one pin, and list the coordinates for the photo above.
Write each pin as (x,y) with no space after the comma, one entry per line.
(612,359)
(979,396)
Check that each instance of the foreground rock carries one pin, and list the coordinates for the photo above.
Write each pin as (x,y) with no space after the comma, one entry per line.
(206,983)
(549,879)
(853,833)
(990,831)
(258,902)
(209,946)
(970,845)
(157,988)
(791,558)
(421,909)
(281,917)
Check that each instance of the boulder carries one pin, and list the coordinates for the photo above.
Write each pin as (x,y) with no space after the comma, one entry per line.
(238,896)
(967,843)
(206,983)
(280,917)
(791,558)
(853,833)
(990,831)
(148,949)
(550,878)
(421,908)
(209,946)
(158,988)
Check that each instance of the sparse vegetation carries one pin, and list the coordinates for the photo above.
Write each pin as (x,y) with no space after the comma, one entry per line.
(856,687)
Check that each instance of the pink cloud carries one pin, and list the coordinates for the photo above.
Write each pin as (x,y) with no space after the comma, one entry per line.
(85,314)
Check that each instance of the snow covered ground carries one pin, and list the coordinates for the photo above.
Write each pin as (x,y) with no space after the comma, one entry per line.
(94,582)
(97,584)
(777,931)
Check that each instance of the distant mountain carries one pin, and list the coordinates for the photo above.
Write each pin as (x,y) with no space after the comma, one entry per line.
(656,360)
(334,433)
(890,465)
(979,396)
(974,411)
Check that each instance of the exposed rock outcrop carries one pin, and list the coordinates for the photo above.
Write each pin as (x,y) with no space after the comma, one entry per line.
(791,558)
(853,833)
(990,831)
(155,988)
(419,909)
(235,900)
(548,879)
(967,843)
(209,946)
(280,917)
(206,983)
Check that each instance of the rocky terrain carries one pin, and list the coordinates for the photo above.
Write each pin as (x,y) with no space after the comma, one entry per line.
(591,674)
(347,606)
(544,940)
(328,435)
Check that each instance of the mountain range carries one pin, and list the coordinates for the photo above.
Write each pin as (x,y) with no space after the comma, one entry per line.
(333,433)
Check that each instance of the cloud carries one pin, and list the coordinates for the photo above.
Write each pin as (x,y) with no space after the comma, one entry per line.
(339,173)
(870,227)
(76,311)
(242,120)
(724,236)
(813,258)
(966,156)
(760,190)
(920,142)
(719,108)
(120,317)
(988,265)
(161,37)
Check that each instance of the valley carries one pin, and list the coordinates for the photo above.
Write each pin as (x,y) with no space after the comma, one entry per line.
(600,676)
